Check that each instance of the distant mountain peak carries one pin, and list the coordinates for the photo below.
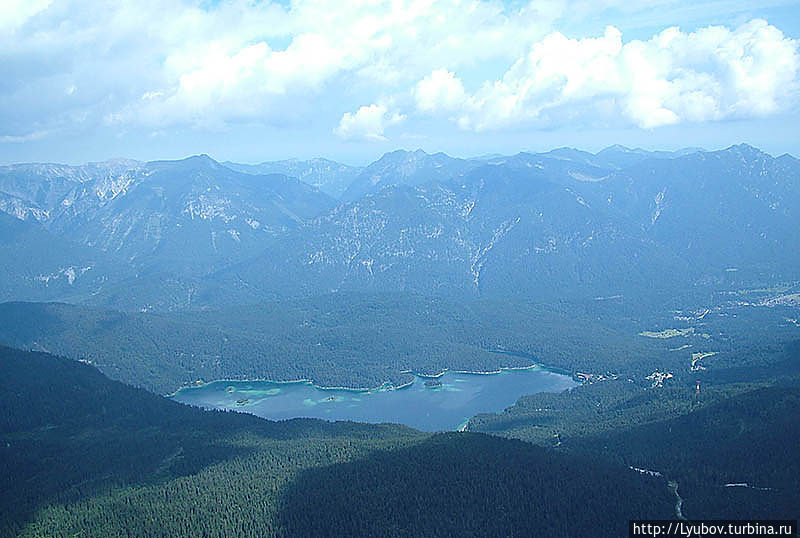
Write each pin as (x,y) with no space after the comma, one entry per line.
(117,162)
(746,151)
(689,150)
(744,147)
(407,154)
(195,162)
(408,168)
(616,147)
(203,157)
(329,176)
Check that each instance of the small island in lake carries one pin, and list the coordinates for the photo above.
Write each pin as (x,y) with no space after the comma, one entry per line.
(433,383)
(242,401)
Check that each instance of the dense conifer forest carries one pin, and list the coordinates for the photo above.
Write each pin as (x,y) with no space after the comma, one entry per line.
(333,340)
(365,340)
(730,445)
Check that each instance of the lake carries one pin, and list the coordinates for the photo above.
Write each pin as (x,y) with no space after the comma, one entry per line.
(428,408)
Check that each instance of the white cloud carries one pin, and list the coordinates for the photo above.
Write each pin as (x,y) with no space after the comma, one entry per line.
(15,13)
(160,65)
(367,123)
(239,60)
(440,91)
(711,74)
(334,47)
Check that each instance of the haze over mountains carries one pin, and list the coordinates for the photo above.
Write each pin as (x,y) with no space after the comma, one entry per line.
(642,275)
(166,235)
(328,176)
(380,340)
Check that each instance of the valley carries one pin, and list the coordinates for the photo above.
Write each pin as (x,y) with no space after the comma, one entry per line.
(329,312)
(399,269)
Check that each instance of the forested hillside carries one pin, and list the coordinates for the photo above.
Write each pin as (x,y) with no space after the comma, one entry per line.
(731,446)
(365,340)
(356,340)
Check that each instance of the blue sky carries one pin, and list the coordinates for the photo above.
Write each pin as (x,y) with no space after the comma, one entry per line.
(350,80)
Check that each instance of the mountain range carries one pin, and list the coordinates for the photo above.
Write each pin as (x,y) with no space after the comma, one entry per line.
(665,283)
(330,177)
(167,235)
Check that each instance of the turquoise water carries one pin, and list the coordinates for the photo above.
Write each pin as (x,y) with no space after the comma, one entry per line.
(446,407)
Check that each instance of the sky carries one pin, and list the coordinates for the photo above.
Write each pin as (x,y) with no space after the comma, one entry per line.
(251,81)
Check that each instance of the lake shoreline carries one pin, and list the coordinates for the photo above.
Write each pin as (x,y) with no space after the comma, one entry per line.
(386,385)
(431,404)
